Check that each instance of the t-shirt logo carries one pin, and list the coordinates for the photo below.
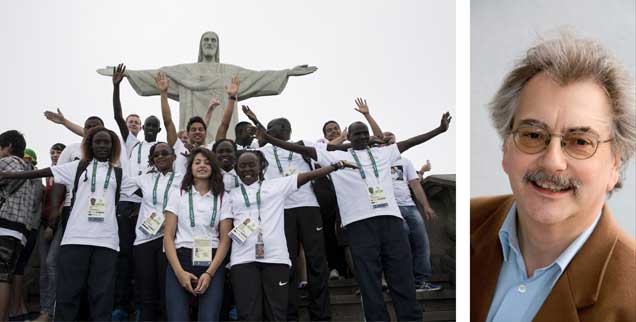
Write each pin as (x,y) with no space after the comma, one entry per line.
(397,173)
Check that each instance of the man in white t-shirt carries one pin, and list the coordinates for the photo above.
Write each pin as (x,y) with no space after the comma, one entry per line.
(303,224)
(372,220)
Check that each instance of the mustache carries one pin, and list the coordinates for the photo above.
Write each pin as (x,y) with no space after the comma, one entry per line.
(559,182)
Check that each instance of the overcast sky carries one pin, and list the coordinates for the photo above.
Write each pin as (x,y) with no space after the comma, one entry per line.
(399,56)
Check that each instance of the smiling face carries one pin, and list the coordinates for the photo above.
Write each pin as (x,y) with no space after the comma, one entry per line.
(151,128)
(163,157)
(201,168)
(332,131)
(133,123)
(102,146)
(545,183)
(196,134)
(226,154)
(248,167)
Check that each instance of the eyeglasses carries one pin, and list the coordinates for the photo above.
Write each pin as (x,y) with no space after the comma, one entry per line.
(163,153)
(579,145)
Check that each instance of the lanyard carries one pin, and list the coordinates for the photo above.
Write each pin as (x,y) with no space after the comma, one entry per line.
(280,167)
(94,177)
(248,204)
(375,166)
(216,199)
(139,152)
(165,193)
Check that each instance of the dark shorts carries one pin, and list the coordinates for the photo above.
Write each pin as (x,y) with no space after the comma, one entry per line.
(10,249)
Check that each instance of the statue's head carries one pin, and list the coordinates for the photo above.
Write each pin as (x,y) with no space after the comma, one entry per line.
(209,47)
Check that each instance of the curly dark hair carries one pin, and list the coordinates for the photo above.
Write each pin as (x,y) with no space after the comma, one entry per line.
(221,141)
(87,145)
(215,182)
(151,161)
(261,158)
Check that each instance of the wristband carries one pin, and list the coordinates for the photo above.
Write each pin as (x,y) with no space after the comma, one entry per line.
(233,98)
(206,272)
(337,165)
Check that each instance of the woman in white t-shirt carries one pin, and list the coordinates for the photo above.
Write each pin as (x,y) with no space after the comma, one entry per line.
(225,151)
(196,239)
(156,187)
(88,255)
(259,259)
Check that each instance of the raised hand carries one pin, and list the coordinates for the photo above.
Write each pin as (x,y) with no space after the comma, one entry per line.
(57,118)
(426,167)
(302,70)
(250,115)
(445,122)
(162,82)
(233,89)
(214,102)
(362,106)
(118,73)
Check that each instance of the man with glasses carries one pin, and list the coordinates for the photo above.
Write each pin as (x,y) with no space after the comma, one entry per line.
(552,250)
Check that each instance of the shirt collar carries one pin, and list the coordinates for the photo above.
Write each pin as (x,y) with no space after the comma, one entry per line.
(509,239)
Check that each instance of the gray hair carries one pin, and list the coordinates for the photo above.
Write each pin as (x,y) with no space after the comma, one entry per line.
(566,60)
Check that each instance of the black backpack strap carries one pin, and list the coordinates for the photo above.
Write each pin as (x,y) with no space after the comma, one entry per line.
(118,176)
(81,167)
(307,159)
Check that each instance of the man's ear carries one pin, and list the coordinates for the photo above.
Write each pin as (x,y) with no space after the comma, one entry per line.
(614,171)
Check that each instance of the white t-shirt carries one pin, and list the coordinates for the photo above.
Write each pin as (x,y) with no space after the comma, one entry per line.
(252,146)
(305,196)
(71,153)
(353,192)
(230,179)
(138,163)
(146,182)
(182,155)
(402,172)
(79,230)
(273,195)
(179,205)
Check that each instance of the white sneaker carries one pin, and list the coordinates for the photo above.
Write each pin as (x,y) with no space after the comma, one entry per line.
(334,275)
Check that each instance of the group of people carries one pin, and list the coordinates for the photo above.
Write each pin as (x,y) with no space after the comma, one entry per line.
(190,219)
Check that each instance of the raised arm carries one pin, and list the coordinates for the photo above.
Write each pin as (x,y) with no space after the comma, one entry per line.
(323,171)
(443,127)
(58,118)
(231,91)
(171,131)
(364,109)
(33,174)
(421,201)
(118,76)
(300,149)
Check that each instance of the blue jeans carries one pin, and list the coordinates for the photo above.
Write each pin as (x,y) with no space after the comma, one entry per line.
(177,298)
(48,267)
(418,237)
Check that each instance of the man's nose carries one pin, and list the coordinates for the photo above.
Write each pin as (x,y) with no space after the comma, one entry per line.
(554,158)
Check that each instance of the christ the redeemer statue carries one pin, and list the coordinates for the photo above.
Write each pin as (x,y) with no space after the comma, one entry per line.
(194,85)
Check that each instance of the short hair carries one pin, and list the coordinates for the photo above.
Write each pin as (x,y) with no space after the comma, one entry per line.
(241,124)
(151,161)
(282,120)
(87,145)
(196,119)
(58,146)
(567,60)
(133,115)
(217,143)
(261,160)
(96,118)
(16,140)
(324,126)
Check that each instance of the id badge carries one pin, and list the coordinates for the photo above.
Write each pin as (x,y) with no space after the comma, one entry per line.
(153,224)
(96,209)
(290,172)
(243,231)
(377,197)
(202,251)
(259,250)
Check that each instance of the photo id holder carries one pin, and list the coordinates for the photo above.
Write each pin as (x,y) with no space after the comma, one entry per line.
(259,249)
(290,172)
(377,197)
(153,224)
(96,209)
(202,251)
(243,231)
